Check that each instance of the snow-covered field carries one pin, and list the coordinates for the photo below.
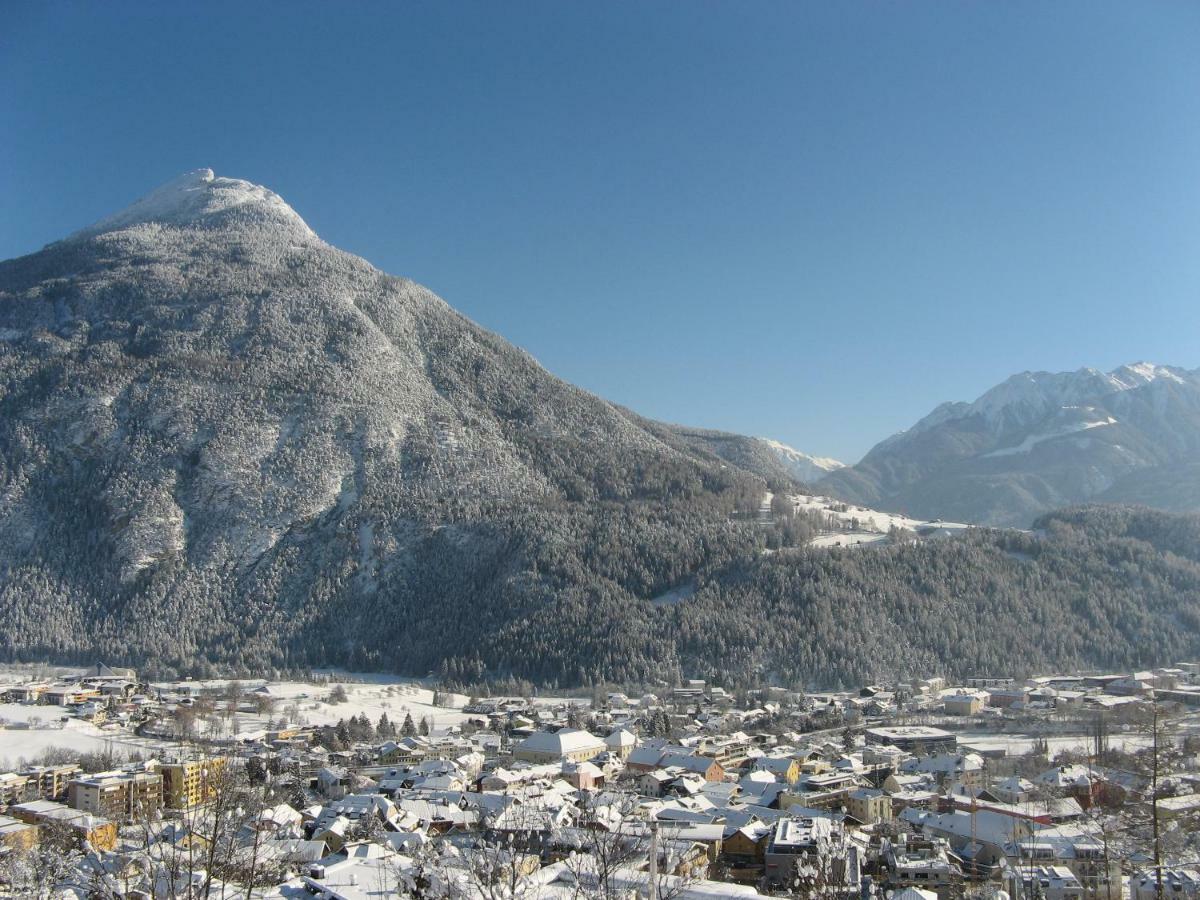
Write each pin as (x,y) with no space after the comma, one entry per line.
(868,520)
(310,704)
(42,728)
(848,539)
(372,695)
(855,526)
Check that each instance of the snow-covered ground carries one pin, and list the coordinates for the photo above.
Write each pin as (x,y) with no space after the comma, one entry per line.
(848,539)
(868,520)
(311,705)
(29,731)
(854,526)
(372,695)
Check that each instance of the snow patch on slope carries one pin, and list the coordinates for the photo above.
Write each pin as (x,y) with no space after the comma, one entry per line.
(1033,440)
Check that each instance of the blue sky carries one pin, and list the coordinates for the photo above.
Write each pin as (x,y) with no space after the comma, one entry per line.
(812,221)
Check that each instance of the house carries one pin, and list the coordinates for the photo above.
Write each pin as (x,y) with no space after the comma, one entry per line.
(746,846)
(1006,698)
(1013,790)
(654,783)
(334,781)
(583,776)
(915,862)
(784,768)
(649,758)
(569,744)
(621,743)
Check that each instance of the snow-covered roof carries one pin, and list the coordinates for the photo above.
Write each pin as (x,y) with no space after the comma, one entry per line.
(569,740)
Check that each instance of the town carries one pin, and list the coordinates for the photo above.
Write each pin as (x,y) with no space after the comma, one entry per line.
(1061,787)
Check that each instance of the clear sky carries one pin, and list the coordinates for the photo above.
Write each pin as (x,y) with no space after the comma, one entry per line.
(811,221)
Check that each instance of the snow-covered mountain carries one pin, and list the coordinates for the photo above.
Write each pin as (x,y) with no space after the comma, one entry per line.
(802,466)
(221,437)
(1039,441)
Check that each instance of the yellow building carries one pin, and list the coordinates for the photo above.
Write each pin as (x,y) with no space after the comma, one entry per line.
(191,782)
(97,831)
(17,835)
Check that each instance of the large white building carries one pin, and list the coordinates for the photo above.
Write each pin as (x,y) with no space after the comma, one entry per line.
(572,744)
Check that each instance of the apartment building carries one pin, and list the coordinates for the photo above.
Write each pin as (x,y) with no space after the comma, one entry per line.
(189,783)
(48,782)
(121,796)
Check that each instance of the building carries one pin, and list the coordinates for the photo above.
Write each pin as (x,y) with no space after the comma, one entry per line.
(821,845)
(69,694)
(949,769)
(621,743)
(570,744)
(784,768)
(122,796)
(12,788)
(962,704)
(49,782)
(985,683)
(1004,698)
(17,835)
(189,783)
(869,805)
(730,751)
(913,862)
(914,738)
(97,831)
(1183,884)
(1050,883)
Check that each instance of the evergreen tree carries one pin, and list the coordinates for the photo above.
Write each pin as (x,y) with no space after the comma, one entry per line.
(408,729)
(385,730)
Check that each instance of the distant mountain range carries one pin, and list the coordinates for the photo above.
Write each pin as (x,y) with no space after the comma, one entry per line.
(225,442)
(1040,441)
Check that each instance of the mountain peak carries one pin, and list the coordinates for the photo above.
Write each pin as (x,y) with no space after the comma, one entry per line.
(202,199)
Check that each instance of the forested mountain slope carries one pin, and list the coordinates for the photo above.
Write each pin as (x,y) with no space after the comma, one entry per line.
(224,442)
(1040,441)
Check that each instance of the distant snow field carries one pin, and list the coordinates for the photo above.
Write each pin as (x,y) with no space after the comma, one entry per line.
(860,526)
